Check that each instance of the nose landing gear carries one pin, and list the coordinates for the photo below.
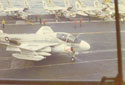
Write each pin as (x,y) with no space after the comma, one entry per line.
(73,57)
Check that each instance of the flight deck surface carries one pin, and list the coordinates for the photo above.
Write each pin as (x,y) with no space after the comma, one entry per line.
(92,65)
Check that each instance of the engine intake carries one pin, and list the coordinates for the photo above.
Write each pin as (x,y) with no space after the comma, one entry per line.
(14,42)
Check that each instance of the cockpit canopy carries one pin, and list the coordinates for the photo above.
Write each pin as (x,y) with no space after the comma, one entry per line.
(66,37)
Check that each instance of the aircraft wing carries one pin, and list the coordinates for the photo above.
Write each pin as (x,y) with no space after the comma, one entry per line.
(27,46)
(2,43)
(36,46)
(30,51)
(34,51)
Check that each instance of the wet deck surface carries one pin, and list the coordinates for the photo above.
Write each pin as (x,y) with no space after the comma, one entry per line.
(99,61)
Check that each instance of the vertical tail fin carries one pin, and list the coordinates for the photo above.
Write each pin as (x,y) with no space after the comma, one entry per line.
(79,5)
(123,2)
(107,1)
(9,4)
(1,6)
(45,29)
(67,3)
(26,4)
(97,3)
(51,3)
(44,4)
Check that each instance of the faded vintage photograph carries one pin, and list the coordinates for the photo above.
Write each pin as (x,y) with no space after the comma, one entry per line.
(62,40)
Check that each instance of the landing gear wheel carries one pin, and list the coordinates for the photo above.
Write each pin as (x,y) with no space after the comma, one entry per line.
(73,54)
(73,59)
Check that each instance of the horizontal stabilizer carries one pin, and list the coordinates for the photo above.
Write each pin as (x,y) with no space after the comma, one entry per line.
(11,48)
(28,57)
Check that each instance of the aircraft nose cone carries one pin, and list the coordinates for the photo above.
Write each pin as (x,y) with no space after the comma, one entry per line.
(84,45)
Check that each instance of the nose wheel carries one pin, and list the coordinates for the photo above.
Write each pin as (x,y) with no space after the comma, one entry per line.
(73,58)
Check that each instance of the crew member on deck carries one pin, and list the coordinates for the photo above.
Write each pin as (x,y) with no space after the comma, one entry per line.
(3,23)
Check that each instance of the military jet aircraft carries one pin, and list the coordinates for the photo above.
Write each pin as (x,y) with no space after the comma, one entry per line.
(99,10)
(106,13)
(1,6)
(42,44)
(52,8)
(123,2)
(111,8)
(98,4)
(18,12)
(85,10)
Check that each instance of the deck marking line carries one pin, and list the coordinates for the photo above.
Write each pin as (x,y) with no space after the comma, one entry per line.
(62,64)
